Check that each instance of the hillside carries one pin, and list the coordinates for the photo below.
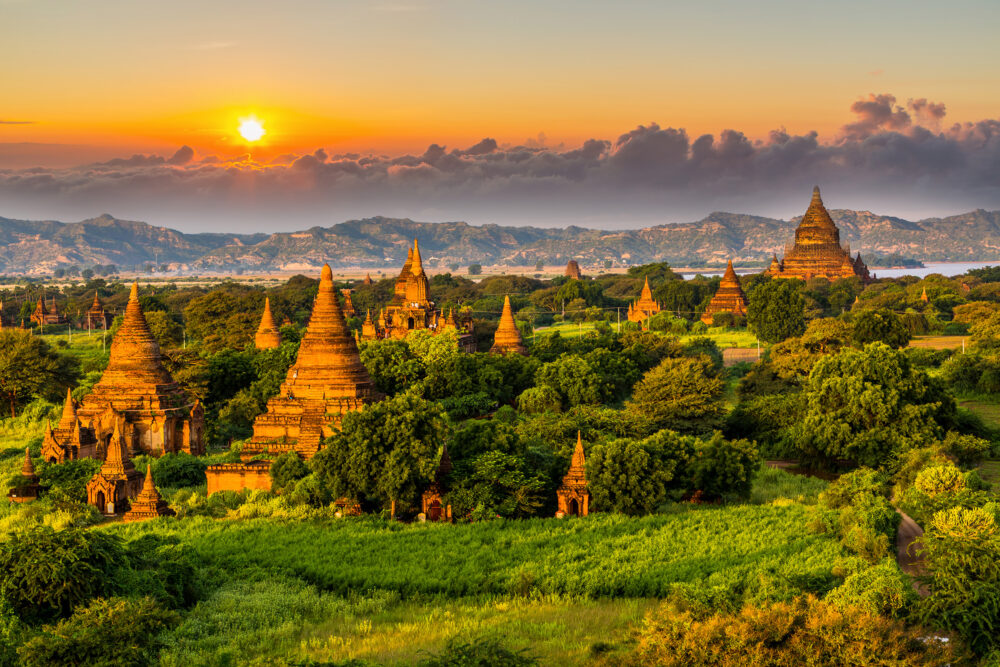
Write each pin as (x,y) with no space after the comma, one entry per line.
(41,246)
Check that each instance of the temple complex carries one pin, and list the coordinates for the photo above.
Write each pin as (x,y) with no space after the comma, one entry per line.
(729,299)
(97,317)
(111,487)
(267,335)
(27,488)
(507,339)
(645,307)
(43,314)
(412,309)
(573,270)
(572,495)
(432,501)
(817,252)
(326,381)
(148,504)
(137,392)
(69,440)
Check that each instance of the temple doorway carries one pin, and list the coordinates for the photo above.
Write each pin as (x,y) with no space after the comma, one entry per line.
(409,323)
(434,511)
(573,508)
(100,501)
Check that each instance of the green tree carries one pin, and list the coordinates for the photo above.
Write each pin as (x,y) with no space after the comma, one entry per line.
(497,484)
(29,367)
(392,365)
(723,468)
(683,394)
(574,379)
(287,468)
(880,325)
(776,310)
(475,269)
(635,476)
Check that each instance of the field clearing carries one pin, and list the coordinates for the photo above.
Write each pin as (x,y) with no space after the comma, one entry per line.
(988,412)
(990,472)
(938,342)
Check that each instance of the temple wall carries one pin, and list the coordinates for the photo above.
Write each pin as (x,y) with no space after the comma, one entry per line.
(236,477)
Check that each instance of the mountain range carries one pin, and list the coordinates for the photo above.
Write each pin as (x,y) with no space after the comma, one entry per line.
(39,247)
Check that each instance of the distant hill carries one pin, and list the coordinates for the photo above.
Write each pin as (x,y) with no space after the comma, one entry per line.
(42,246)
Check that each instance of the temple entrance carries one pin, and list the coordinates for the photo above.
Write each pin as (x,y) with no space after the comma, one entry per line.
(100,501)
(434,511)
(410,323)
(573,508)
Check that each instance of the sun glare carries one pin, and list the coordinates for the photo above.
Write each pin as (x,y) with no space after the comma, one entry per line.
(251,129)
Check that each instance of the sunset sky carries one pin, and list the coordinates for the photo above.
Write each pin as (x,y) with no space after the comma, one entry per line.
(335,81)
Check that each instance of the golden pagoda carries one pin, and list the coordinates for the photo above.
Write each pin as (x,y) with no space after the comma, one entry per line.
(267,335)
(111,487)
(507,339)
(156,415)
(326,381)
(572,495)
(817,252)
(27,488)
(43,314)
(148,504)
(729,299)
(69,440)
(412,309)
(645,307)
(97,317)
(572,270)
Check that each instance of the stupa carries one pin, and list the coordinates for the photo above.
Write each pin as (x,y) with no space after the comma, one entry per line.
(573,270)
(135,390)
(27,488)
(507,339)
(412,309)
(43,314)
(729,299)
(645,307)
(572,495)
(97,317)
(111,487)
(326,381)
(348,304)
(817,252)
(148,504)
(69,440)
(267,335)
(432,501)
(368,279)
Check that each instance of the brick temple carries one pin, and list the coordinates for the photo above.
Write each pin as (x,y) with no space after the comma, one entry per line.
(573,495)
(267,335)
(728,299)
(507,338)
(645,307)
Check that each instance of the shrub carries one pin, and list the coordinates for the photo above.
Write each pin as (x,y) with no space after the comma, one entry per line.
(479,653)
(968,450)
(880,590)
(724,468)
(536,400)
(856,509)
(181,469)
(938,488)
(67,482)
(633,476)
(287,468)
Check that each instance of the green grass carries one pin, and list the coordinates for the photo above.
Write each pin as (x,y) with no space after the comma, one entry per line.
(726,338)
(938,342)
(570,329)
(987,411)
(990,472)
(774,484)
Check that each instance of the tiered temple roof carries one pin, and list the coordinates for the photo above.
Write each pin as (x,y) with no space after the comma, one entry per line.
(69,440)
(572,495)
(148,504)
(117,481)
(97,317)
(817,252)
(267,335)
(645,307)
(572,270)
(729,299)
(507,338)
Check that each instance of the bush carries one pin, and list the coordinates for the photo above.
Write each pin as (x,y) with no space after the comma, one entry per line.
(177,470)
(938,488)
(723,469)
(67,482)
(480,653)
(857,510)
(287,468)
(880,590)
(115,632)
(634,476)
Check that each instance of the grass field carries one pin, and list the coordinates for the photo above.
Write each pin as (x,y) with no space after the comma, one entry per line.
(988,412)
(938,342)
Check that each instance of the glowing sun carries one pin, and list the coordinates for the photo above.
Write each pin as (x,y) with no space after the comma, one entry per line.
(251,129)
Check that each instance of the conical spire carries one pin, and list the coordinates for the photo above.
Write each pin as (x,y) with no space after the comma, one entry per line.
(68,418)
(729,277)
(728,299)
(368,278)
(417,267)
(578,459)
(646,294)
(817,226)
(28,469)
(117,461)
(267,335)
(576,476)
(148,504)
(924,297)
(149,491)
(328,364)
(135,356)
(97,302)
(507,338)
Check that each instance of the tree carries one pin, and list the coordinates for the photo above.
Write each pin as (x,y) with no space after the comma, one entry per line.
(634,476)
(683,394)
(575,380)
(879,326)
(392,365)
(29,367)
(497,484)
(776,310)
(475,269)
(724,468)
(87,274)
(287,468)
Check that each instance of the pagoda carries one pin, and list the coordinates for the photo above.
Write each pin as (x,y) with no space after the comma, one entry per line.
(97,317)
(148,504)
(111,487)
(729,299)
(507,339)
(645,307)
(432,501)
(572,495)
(326,381)
(267,335)
(28,487)
(69,440)
(348,305)
(43,314)
(573,270)
(411,308)
(817,252)
(156,415)
(368,279)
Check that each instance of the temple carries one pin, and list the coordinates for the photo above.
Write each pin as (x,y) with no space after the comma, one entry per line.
(111,487)
(148,504)
(573,270)
(27,488)
(432,501)
(507,339)
(412,309)
(326,381)
(572,495)
(136,394)
(368,279)
(97,317)
(729,299)
(817,252)
(645,307)
(348,304)
(43,314)
(267,335)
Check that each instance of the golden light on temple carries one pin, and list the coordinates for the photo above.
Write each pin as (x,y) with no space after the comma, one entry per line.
(251,129)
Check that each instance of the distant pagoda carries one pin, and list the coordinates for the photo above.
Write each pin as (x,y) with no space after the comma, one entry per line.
(148,504)
(69,440)
(573,496)
(507,339)
(729,299)
(43,314)
(97,317)
(267,335)
(817,252)
(432,500)
(645,307)
(573,270)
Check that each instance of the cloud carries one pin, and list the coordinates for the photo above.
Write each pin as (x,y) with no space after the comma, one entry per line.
(893,158)
(212,46)
(18,122)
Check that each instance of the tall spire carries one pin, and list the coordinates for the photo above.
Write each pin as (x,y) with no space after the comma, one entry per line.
(507,338)
(729,277)
(417,267)
(117,461)
(578,462)
(68,418)
(135,355)
(646,294)
(817,226)
(267,335)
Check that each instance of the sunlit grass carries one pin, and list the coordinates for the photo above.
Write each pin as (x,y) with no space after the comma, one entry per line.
(938,342)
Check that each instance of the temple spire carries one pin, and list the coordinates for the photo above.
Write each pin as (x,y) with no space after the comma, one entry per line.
(267,335)
(28,469)
(646,294)
(730,274)
(68,418)
(507,338)
(418,266)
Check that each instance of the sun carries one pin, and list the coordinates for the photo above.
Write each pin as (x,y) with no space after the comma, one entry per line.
(251,129)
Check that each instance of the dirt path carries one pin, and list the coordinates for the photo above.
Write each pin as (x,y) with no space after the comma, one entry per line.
(906,550)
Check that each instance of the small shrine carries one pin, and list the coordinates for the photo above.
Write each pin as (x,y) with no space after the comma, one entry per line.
(267,335)
(573,270)
(27,488)
(97,317)
(348,307)
(69,440)
(645,307)
(43,315)
(111,487)
(432,502)
(368,279)
(148,504)
(729,299)
(572,495)
(924,297)
(507,339)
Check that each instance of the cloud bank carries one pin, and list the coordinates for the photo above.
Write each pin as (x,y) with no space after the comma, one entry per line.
(893,158)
